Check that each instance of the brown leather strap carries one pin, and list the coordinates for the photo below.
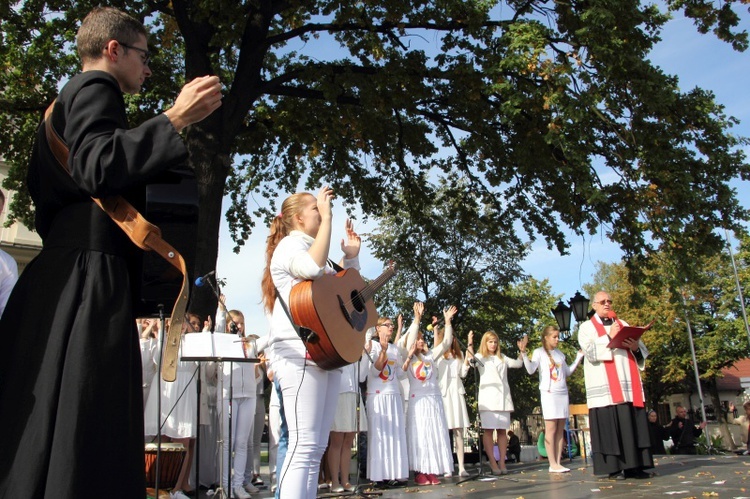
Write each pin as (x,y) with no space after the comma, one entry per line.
(146,236)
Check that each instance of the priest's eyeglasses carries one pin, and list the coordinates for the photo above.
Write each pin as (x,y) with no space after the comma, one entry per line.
(145,58)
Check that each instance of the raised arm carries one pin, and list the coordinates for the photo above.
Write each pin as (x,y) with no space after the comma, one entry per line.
(411,334)
(443,347)
(350,246)
(532,364)
(576,362)
(382,357)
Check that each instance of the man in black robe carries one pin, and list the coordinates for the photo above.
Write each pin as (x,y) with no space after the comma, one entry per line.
(71,403)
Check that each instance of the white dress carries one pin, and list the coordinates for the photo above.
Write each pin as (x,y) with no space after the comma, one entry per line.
(179,402)
(346,409)
(427,430)
(553,386)
(387,457)
(450,372)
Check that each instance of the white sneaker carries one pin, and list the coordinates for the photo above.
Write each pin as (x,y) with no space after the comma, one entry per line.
(252,489)
(240,493)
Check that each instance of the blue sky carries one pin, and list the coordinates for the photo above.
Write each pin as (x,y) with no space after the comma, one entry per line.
(697,60)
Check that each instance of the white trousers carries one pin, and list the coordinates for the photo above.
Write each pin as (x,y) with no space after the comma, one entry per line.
(310,398)
(243,416)
(274,432)
(254,442)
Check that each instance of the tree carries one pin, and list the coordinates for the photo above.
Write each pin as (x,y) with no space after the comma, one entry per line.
(531,104)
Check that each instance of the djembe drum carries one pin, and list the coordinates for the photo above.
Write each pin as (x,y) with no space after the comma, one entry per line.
(172,456)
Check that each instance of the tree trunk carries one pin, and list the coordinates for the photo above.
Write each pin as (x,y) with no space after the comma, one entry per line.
(211,165)
(726,435)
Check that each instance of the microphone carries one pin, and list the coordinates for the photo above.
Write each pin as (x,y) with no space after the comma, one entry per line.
(202,280)
(439,323)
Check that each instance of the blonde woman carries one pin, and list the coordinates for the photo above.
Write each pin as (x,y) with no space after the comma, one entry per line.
(553,373)
(495,403)
(296,250)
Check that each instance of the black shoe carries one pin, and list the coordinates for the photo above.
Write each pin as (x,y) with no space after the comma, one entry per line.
(620,475)
(257,481)
(638,474)
(396,483)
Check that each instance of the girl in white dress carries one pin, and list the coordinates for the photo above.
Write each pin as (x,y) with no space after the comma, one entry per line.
(179,404)
(427,430)
(553,387)
(387,458)
(452,367)
(345,426)
(495,402)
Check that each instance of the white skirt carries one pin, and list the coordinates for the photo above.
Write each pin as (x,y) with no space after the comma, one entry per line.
(345,420)
(427,433)
(495,420)
(456,414)
(555,405)
(387,458)
(179,404)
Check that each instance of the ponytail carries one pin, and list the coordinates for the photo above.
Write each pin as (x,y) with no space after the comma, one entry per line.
(281,226)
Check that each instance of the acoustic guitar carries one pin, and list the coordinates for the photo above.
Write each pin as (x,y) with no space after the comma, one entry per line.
(334,312)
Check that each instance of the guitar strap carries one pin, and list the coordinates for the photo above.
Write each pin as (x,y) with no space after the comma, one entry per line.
(304,333)
(145,235)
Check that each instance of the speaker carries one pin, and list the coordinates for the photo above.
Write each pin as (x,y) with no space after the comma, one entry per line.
(172,205)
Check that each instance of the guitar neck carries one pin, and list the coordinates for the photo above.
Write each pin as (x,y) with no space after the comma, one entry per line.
(369,291)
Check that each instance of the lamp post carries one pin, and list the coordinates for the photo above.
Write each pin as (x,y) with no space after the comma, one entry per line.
(579,305)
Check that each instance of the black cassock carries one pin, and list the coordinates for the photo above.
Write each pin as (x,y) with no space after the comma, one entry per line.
(71,399)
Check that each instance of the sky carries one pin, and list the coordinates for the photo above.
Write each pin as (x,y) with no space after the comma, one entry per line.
(697,60)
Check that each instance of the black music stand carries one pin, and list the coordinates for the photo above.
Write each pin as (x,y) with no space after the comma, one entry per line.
(218,348)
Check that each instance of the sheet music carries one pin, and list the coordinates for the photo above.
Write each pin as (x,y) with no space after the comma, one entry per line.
(217,345)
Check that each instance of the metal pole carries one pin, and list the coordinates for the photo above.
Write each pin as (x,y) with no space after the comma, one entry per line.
(739,287)
(695,370)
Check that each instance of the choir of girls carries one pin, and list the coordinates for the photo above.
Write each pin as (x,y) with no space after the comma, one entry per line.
(414,398)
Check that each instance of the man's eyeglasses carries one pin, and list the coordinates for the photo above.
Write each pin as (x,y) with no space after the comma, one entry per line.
(604,302)
(146,54)
(386,324)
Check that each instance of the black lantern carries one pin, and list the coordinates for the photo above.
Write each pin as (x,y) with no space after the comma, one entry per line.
(562,316)
(579,304)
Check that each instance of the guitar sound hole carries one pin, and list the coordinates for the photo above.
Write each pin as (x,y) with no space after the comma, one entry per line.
(357,301)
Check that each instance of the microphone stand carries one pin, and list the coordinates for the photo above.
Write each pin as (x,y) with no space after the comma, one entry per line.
(475,363)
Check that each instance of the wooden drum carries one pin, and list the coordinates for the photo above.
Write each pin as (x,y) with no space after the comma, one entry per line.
(172,456)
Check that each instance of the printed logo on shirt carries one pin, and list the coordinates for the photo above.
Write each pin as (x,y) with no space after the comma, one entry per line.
(388,371)
(554,371)
(422,370)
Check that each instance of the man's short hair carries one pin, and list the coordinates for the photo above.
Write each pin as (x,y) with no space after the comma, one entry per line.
(746,404)
(102,25)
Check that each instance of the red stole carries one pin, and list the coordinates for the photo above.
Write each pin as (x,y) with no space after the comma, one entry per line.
(614,380)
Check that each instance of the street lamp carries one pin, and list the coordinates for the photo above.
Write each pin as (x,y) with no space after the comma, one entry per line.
(580,308)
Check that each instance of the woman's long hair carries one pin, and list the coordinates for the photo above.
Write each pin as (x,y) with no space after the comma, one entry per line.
(454,349)
(546,333)
(484,351)
(281,226)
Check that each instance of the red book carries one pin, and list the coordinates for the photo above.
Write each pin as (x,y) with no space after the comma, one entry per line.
(626,332)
